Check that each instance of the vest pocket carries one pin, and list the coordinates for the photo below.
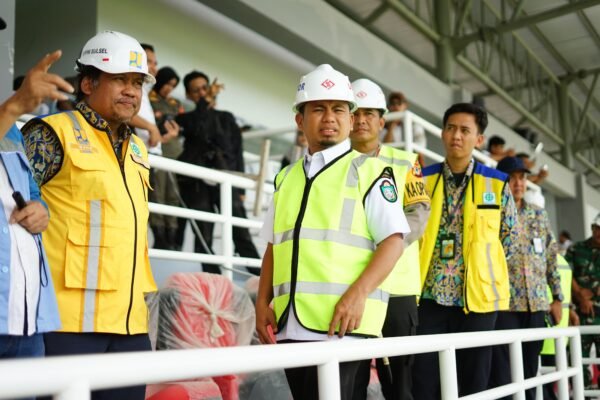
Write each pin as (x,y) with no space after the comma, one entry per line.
(91,258)
(89,179)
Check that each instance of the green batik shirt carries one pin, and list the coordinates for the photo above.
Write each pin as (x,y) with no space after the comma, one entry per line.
(445,278)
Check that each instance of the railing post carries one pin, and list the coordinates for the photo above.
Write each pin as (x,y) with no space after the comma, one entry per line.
(576,362)
(516,367)
(79,390)
(408,131)
(227,232)
(329,380)
(448,378)
(561,366)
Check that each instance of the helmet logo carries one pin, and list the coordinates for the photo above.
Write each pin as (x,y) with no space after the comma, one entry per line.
(135,59)
(361,95)
(301,87)
(327,84)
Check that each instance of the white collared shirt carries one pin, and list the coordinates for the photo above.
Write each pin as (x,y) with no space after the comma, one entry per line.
(383,219)
(24,267)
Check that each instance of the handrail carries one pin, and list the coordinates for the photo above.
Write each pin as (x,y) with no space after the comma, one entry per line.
(73,377)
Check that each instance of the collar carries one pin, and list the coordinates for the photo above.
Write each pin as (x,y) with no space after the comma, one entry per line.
(95,120)
(449,176)
(330,153)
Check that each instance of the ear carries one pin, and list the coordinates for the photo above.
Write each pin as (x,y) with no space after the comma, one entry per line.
(381,123)
(86,86)
(479,141)
(300,121)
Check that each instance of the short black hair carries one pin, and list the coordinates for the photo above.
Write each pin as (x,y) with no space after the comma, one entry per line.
(495,141)
(522,155)
(479,113)
(147,46)
(86,71)
(194,75)
(565,234)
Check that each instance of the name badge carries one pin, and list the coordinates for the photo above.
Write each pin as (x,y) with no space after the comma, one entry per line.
(489,198)
(447,247)
(537,245)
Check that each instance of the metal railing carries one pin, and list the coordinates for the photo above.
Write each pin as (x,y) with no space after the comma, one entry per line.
(72,378)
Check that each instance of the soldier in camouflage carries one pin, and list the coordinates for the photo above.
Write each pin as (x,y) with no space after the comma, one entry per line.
(584,257)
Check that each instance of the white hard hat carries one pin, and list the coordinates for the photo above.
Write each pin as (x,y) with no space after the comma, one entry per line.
(115,53)
(324,83)
(369,95)
(596,220)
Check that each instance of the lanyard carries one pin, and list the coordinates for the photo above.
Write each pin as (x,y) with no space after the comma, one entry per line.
(451,212)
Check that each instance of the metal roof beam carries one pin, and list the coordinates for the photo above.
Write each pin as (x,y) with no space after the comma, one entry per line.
(486,32)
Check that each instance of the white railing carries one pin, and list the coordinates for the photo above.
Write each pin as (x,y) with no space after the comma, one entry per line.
(591,330)
(72,378)
(227,182)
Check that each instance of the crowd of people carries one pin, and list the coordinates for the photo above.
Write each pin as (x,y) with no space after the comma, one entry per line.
(362,241)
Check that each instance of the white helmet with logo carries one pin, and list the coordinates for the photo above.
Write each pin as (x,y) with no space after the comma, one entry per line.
(324,83)
(114,53)
(369,95)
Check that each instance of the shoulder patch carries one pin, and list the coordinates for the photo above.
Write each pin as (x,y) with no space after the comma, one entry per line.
(388,190)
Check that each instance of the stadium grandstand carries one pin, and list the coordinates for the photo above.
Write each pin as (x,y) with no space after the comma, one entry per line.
(533,65)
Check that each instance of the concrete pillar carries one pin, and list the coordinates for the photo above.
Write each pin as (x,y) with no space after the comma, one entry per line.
(7,45)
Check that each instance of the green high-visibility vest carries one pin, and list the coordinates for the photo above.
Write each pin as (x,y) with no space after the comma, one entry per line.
(321,242)
(566,275)
(405,279)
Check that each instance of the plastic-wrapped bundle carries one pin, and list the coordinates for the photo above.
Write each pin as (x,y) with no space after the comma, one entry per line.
(199,310)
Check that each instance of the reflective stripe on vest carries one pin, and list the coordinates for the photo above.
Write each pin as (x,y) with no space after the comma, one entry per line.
(319,251)
(404,280)
(566,276)
(486,283)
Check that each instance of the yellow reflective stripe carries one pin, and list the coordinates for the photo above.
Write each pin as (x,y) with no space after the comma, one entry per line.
(93,260)
(327,288)
(492,277)
(327,235)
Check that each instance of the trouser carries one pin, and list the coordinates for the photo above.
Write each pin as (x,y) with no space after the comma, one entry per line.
(304,384)
(395,378)
(165,192)
(200,196)
(472,365)
(64,343)
(500,373)
(17,346)
(587,341)
(549,393)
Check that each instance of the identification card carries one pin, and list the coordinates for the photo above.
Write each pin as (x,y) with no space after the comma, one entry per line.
(447,248)
(537,245)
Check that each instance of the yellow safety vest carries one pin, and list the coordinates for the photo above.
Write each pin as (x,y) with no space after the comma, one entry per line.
(96,240)
(404,280)
(566,275)
(486,284)
(322,243)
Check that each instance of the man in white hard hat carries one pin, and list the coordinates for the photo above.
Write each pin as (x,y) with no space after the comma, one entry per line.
(404,281)
(334,231)
(93,174)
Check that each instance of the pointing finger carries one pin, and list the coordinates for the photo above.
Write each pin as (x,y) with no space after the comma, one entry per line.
(45,63)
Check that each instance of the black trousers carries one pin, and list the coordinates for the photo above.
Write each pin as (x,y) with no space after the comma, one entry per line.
(472,365)
(199,196)
(304,383)
(62,344)
(396,378)
(500,374)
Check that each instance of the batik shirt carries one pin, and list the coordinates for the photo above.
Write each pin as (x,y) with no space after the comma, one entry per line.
(445,278)
(533,265)
(45,151)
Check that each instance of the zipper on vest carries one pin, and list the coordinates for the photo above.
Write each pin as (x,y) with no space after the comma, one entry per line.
(296,252)
(135,234)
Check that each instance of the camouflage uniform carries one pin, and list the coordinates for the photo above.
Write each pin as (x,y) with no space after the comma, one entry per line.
(584,257)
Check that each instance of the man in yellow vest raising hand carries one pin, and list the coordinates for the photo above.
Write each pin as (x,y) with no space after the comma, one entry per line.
(334,231)
(404,283)
(463,252)
(93,174)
